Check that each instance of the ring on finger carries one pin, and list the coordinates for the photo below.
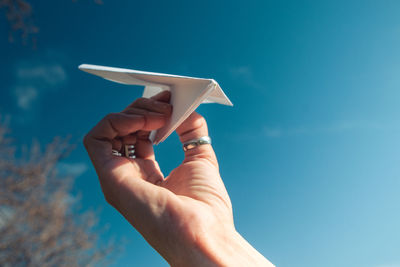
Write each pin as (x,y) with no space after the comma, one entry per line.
(204,140)
(130,151)
(116,153)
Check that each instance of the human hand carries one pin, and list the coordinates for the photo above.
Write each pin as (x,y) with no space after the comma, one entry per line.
(186,216)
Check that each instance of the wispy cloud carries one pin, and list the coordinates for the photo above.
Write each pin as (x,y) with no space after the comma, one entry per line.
(328,128)
(49,74)
(246,75)
(272,132)
(72,168)
(335,127)
(25,95)
(342,126)
(33,78)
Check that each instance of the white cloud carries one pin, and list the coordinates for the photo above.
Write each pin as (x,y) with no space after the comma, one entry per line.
(33,78)
(49,74)
(74,169)
(25,96)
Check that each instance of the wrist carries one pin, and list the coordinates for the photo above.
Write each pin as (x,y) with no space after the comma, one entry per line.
(228,248)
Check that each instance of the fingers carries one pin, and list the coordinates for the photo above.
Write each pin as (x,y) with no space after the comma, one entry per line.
(128,184)
(195,126)
(163,96)
(154,120)
(142,115)
(157,104)
(99,140)
(144,149)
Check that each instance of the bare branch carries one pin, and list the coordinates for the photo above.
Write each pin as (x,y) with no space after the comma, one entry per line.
(19,14)
(39,224)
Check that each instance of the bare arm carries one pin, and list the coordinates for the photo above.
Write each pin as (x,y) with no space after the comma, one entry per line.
(186,216)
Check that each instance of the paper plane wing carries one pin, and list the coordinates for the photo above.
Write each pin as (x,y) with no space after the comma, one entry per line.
(187,93)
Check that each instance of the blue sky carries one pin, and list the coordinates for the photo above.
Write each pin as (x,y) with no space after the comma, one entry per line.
(310,151)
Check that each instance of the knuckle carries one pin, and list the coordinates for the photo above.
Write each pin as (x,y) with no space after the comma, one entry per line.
(85,141)
(193,126)
(111,116)
(109,199)
(131,110)
(198,121)
(139,101)
(169,109)
(204,158)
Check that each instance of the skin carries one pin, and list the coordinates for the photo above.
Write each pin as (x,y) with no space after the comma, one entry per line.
(186,216)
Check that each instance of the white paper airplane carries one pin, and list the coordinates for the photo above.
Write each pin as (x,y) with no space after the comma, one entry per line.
(187,93)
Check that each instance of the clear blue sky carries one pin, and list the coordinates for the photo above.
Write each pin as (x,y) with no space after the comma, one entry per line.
(310,151)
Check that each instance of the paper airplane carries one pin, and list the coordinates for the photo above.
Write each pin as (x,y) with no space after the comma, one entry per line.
(187,93)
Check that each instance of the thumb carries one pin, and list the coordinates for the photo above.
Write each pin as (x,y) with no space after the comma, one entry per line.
(195,126)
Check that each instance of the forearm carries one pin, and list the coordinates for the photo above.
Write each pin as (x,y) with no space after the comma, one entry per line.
(224,249)
(234,250)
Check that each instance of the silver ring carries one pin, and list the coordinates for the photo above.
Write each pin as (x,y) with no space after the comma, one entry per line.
(204,140)
(116,153)
(130,151)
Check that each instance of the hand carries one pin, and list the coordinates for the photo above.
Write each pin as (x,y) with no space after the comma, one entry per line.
(186,216)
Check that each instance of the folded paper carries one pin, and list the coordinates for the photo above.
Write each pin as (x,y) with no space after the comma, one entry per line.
(187,93)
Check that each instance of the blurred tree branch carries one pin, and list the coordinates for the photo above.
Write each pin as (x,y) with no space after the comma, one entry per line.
(19,14)
(38,223)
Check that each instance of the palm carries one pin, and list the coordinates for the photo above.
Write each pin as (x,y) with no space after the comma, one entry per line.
(204,184)
(204,200)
